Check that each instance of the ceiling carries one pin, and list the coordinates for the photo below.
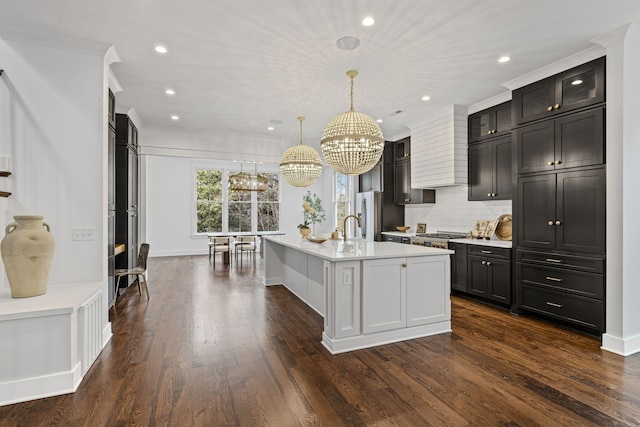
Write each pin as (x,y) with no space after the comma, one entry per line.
(240,66)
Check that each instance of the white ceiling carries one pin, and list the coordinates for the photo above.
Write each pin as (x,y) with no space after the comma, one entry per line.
(236,65)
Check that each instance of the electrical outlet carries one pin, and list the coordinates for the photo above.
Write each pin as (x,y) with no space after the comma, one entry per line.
(82,234)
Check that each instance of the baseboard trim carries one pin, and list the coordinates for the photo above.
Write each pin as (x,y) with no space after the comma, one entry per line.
(40,387)
(622,346)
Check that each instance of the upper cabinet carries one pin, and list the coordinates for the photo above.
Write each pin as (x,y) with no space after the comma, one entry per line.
(569,141)
(491,122)
(490,170)
(575,88)
(403,148)
(112,109)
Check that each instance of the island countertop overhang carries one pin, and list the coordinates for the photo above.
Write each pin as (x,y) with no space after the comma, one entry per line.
(355,249)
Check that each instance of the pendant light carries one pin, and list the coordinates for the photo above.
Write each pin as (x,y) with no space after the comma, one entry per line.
(244,181)
(300,165)
(352,142)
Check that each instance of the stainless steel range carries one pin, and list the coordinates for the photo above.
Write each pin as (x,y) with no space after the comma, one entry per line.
(436,240)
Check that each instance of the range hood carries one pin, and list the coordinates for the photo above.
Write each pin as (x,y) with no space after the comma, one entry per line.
(439,149)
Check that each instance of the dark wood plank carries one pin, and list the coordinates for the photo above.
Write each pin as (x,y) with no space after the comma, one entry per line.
(216,348)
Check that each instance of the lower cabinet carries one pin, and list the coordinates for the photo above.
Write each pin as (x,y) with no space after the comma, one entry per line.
(403,292)
(565,287)
(488,273)
(459,267)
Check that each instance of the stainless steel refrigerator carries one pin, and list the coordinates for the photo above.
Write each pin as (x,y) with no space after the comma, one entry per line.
(369,209)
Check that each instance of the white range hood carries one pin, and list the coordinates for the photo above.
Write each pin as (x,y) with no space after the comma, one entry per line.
(439,149)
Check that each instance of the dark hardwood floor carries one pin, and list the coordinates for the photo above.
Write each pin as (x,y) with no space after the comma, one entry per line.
(216,348)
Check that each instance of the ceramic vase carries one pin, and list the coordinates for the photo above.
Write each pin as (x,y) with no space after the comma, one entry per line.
(27,252)
(306,231)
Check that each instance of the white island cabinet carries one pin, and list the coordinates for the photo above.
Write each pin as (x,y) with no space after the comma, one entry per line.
(369,293)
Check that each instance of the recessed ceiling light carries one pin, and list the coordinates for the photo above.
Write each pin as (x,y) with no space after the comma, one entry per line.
(379,120)
(576,82)
(170,92)
(368,21)
(174,117)
(503,59)
(348,43)
(426,98)
(270,128)
(160,49)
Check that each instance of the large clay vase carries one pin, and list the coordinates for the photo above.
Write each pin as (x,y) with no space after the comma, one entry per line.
(27,252)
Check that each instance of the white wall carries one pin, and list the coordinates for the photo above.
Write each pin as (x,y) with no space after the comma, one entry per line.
(52,116)
(170,203)
(453,212)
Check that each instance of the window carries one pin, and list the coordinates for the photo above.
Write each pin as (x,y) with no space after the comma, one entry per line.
(343,196)
(208,200)
(269,204)
(220,210)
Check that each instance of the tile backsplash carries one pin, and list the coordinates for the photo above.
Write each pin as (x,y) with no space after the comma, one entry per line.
(453,212)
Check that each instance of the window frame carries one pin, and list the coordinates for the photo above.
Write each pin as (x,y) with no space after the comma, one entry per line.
(227,168)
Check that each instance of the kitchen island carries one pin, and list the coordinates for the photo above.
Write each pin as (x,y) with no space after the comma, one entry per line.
(369,293)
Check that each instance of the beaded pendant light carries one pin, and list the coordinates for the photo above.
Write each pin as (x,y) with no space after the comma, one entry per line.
(352,142)
(300,165)
(245,181)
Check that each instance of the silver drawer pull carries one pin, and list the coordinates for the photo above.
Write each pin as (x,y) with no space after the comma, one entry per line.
(553,304)
(554,279)
(553,260)
(486,252)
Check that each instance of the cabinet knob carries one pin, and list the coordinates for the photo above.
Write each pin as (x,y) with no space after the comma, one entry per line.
(558,223)
(489,132)
(488,194)
(550,222)
(484,262)
(557,162)
(407,200)
(493,194)
(550,163)
(404,265)
(549,108)
(556,106)
(488,262)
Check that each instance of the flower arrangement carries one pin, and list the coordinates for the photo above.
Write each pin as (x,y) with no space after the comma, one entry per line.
(313,211)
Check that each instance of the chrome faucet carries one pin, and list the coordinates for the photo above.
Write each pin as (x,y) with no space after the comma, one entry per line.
(344,225)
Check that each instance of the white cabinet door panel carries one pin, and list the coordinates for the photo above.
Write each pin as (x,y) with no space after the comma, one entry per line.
(383,295)
(427,299)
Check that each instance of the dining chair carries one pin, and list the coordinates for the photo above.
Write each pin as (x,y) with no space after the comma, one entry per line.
(246,244)
(138,271)
(220,244)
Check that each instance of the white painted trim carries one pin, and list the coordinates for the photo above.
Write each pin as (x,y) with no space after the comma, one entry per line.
(133,116)
(556,67)
(114,84)
(623,347)
(453,109)
(272,281)
(39,387)
(106,334)
(111,56)
(490,102)
(343,345)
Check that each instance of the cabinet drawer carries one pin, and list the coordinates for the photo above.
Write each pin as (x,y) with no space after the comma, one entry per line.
(576,282)
(587,264)
(489,251)
(579,310)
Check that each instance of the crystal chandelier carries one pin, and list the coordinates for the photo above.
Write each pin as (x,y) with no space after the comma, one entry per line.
(352,142)
(245,181)
(300,165)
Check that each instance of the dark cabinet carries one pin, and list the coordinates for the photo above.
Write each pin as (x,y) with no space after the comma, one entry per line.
(126,191)
(459,266)
(490,170)
(563,211)
(404,194)
(373,179)
(489,273)
(112,110)
(397,239)
(402,148)
(490,123)
(570,141)
(572,89)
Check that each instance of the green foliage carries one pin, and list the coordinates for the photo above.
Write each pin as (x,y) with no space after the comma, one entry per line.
(313,211)
(209,200)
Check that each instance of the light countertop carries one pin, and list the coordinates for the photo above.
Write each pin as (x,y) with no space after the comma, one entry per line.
(355,249)
(400,233)
(482,242)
